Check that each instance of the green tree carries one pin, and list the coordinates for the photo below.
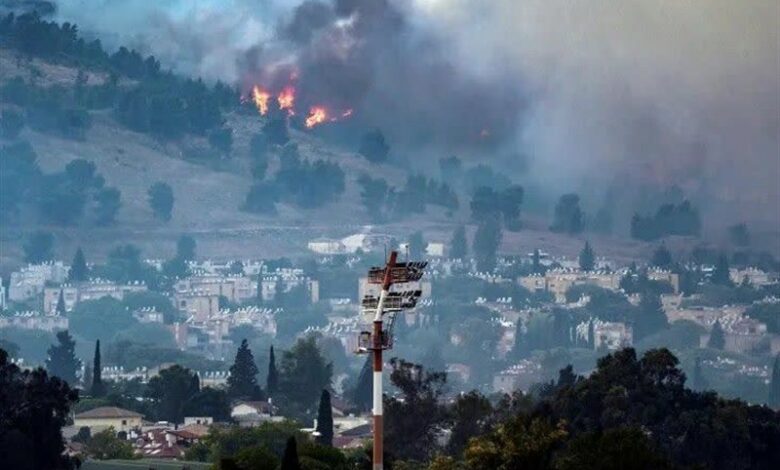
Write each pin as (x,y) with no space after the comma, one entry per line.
(486,242)
(272,379)
(290,456)
(374,193)
(717,338)
(185,248)
(33,409)
(587,258)
(470,417)
(774,385)
(98,387)
(721,276)
(413,417)
(161,200)
(171,390)
(374,147)
(568,217)
(325,420)
(614,449)
(39,247)
(362,394)
(242,382)
(458,245)
(303,371)
(79,271)
(662,257)
(650,316)
(62,361)
(256,458)
(536,263)
(60,308)
(100,318)
(521,442)
(108,202)
(209,402)
(105,445)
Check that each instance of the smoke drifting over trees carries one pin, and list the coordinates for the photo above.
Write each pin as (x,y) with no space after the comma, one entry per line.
(595,94)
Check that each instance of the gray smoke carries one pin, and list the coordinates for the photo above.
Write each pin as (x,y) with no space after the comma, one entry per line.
(595,94)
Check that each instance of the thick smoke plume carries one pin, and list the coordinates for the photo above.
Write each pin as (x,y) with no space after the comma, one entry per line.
(594,94)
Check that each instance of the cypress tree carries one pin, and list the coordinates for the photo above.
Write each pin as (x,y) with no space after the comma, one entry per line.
(272,380)
(78,268)
(717,339)
(536,263)
(325,421)
(774,385)
(290,457)
(62,360)
(242,382)
(587,258)
(60,309)
(98,388)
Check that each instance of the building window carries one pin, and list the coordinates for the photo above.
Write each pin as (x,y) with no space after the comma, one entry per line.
(124,422)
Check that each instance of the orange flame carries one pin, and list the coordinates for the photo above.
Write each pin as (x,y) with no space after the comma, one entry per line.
(317,115)
(261,98)
(286,99)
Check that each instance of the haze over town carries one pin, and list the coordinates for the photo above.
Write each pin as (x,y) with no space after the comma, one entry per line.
(413,234)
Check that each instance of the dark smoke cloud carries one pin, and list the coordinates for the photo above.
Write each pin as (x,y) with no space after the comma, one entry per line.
(592,94)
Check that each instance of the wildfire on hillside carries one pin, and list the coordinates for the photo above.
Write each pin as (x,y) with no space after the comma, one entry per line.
(285,101)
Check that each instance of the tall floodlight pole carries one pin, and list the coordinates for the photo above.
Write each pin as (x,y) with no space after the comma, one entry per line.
(377,351)
(379,339)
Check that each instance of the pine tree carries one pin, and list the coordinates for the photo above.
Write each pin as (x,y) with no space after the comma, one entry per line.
(325,421)
(662,257)
(587,258)
(774,385)
(650,317)
(699,382)
(242,382)
(98,387)
(62,360)
(78,268)
(458,245)
(60,309)
(272,380)
(290,457)
(591,334)
(717,338)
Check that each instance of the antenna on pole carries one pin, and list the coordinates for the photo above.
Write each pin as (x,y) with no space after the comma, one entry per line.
(379,338)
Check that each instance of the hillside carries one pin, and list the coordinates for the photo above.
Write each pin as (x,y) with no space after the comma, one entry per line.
(209,194)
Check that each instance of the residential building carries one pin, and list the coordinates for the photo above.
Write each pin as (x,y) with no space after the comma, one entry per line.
(326,246)
(104,417)
(32,320)
(30,281)
(92,290)
(519,376)
(285,280)
(235,288)
(756,277)
(252,413)
(198,304)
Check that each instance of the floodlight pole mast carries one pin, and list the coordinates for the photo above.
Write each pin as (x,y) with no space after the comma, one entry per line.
(377,346)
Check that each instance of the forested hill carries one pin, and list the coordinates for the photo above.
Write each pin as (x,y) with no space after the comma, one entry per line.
(87,132)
